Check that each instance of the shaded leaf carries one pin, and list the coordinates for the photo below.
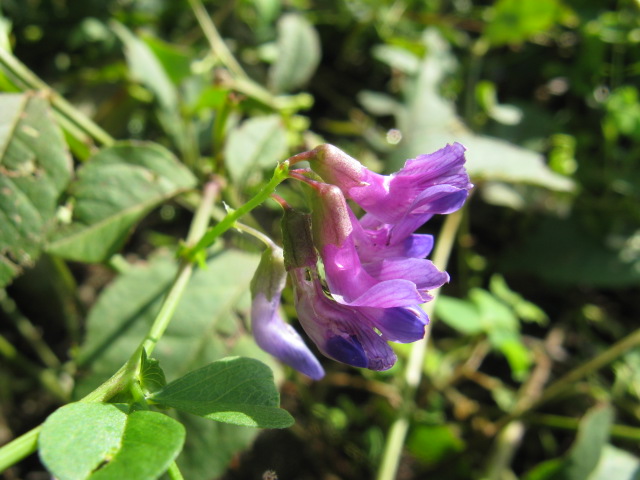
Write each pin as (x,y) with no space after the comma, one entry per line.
(35,168)
(152,376)
(562,252)
(258,143)
(145,67)
(236,390)
(428,122)
(298,53)
(585,453)
(616,464)
(115,189)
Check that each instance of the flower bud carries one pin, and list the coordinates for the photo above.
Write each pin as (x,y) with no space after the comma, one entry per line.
(270,331)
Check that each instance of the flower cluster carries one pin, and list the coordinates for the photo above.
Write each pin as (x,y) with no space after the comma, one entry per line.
(358,282)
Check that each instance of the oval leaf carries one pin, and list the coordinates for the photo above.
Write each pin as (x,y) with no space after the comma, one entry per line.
(233,390)
(151,441)
(100,441)
(298,53)
(258,143)
(114,190)
(77,438)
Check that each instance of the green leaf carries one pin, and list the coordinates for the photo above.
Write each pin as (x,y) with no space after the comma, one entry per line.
(145,67)
(258,143)
(298,53)
(586,453)
(428,122)
(115,189)
(431,444)
(514,21)
(101,441)
(77,438)
(35,168)
(151,442)
(616,464)
(236,390)
(152,376)
(205,328)
(175,61)
(564,252)
(459,314)
(593,434)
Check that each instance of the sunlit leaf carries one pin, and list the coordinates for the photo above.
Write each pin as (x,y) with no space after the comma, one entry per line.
(236,390)
(258,143)
(298,53)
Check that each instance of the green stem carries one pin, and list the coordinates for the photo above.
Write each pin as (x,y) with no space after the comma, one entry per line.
(218,47)
(625,432)
(174,472)
(281,173)
(413,373)
(609,355)
(21,447)
(196,231)
(28,331)
(30,81)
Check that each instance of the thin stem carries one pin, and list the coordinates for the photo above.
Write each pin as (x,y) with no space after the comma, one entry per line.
(46,377)
(218,47)
(174,472)
(196,231)
(626,432)
(29,80)
(281,173)
(122,378)
(413,372)
(21,447)
(256,234)
(609,355)
(28,331)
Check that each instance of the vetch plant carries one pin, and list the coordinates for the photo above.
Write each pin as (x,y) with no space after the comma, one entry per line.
(375,275)
(358,283)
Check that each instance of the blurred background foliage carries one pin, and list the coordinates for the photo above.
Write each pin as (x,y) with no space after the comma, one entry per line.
(544,95)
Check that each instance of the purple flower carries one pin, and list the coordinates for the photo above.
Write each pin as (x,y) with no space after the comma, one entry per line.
(375,274)
(349,334)
(352,334)
(426,185)
(270,331)
(386,276)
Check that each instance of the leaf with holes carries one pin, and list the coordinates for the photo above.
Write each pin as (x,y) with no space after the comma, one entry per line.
(35,168)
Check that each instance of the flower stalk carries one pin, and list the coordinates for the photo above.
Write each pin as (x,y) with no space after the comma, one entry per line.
(413,373)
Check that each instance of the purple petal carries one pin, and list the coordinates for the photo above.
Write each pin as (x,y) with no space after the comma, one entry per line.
(440,199)
(279,339)
(428,178)
(387,294)
(347,351)
(403,325)
(442,164)
(423,273)
(341,332)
